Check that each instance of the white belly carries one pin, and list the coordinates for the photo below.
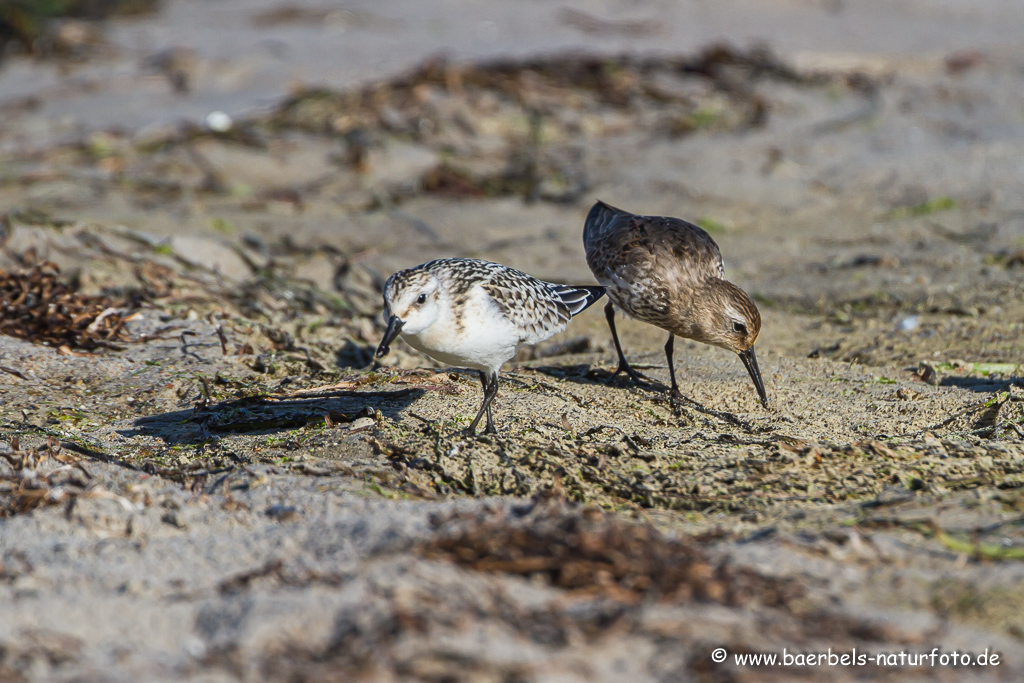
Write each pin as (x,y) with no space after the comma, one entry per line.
(484,341)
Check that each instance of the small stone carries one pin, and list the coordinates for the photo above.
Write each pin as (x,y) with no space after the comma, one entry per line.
(282,513)
(909,324)
(212,254)
(219,122)
(927,373)
(173,517)
(362,424)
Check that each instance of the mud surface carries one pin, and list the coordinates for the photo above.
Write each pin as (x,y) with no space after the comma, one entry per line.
(203,474)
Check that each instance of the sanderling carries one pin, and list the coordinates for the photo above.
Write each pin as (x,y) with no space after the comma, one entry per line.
(669,273)
(477,314)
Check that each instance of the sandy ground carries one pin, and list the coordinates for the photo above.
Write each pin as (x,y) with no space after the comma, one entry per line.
(237,493)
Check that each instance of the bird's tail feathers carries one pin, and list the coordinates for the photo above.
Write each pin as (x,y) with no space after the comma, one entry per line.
(600,217)
(578,298)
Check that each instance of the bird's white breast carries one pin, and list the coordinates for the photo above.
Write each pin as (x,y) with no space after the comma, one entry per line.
(478,336)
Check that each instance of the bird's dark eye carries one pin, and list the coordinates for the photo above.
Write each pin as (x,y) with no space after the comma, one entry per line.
(739,327)
(421,299)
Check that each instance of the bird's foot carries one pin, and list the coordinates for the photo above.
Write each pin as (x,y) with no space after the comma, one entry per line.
(675,400)
(637,378)
(471,433)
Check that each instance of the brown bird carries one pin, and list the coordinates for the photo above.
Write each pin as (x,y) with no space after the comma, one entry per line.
(669,273)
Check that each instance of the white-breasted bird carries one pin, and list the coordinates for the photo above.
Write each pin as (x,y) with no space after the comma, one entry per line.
(477,314)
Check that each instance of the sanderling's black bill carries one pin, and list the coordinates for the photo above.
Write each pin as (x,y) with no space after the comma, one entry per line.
(394,329)
(750,360)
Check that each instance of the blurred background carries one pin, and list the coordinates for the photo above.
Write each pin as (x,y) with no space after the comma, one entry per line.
(822,142)
(132,63)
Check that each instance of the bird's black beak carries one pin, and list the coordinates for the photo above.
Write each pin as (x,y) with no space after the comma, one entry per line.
(750,360)
(394,328)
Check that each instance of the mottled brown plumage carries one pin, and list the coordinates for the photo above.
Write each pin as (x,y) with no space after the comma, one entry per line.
(669,273)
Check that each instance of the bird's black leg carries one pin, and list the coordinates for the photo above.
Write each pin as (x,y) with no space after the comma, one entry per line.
(609,313)
(674,392)
(490,385)
(490,428)
(471,429)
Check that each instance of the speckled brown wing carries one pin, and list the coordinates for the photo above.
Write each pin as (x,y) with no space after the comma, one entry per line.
(644,261)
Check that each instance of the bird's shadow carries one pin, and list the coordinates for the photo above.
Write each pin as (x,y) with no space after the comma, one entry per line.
(264,415)
(981,385)
(586,374)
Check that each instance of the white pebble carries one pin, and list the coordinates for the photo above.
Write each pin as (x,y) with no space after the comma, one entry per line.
(219,122)
(908,324)
(361,424)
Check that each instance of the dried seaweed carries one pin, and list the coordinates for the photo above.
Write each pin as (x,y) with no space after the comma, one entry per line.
(540,84)
(27,21)
(24,487)
(584,549)
(541,112)
(35,305)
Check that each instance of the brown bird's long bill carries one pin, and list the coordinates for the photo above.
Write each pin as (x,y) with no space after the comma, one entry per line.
(394,329)
(750,360)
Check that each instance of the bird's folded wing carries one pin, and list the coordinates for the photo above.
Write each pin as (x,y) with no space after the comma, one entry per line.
(528,303)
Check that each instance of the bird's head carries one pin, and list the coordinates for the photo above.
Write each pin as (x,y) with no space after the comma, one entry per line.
(729,319)
(411,304)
